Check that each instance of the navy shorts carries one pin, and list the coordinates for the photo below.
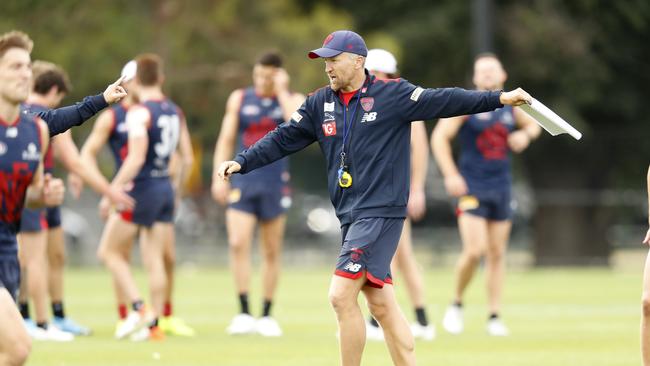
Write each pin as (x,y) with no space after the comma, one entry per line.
(368,247)
(265,202)
(492,205)
(154,202)
(10,274)
(40,219)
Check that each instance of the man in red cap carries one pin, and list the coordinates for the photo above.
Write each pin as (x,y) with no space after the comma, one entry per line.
(367,153)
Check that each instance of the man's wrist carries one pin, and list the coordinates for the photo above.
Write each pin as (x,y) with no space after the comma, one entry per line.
(100,101)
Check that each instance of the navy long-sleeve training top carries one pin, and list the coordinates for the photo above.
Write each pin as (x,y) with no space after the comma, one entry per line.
(62,119)
(378,144)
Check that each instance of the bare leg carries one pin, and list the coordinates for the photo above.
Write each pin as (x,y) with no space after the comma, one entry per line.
(241,227)
(152,246)
(645,320)
(272,237)
(116,237)
(384,308)
(343,295)
(33,246)
(56,260)
(15,343)
(405,261)
(474,235)
(498,234)
(170,263)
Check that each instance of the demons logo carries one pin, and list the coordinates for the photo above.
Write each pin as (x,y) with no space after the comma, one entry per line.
(256,131)
(367,103)
(13,185)
(493,142)
(356,254)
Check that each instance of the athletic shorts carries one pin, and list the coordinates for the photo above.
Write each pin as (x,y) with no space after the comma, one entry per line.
(154,202)
(266,203)
(368,247)
(10,274)
(492,205)
(40,219)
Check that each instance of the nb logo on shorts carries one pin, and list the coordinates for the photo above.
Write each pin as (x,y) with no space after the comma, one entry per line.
(352,267)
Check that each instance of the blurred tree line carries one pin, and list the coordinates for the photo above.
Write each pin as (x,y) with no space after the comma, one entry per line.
(587,59)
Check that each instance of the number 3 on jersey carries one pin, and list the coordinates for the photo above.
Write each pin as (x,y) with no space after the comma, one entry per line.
(169,133)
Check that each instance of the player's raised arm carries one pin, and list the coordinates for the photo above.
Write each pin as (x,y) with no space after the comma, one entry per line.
(289,101)
(443,134)
(62,119)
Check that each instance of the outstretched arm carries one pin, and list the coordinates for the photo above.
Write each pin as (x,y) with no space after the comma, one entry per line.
(289,137)
(423,104)
(62,119)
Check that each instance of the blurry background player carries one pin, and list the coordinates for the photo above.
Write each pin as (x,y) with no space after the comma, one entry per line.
(383,65)
(118,236)
(482,183)
(23,139)
(261,196)
(41,237)
(154,127)
(645,320)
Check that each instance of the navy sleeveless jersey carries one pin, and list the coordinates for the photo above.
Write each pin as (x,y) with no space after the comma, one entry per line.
(48,159)
(20,154)
(485,154)
(258,116)
(164,131)
(119,138)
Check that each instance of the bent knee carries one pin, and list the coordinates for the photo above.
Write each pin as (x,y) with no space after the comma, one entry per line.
(272,256)
(340,302)
(378,309)
(473,255)
(57,259)
(238,243)
(18,353)
(495,256)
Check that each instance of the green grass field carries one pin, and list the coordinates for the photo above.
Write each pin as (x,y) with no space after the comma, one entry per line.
(557,317)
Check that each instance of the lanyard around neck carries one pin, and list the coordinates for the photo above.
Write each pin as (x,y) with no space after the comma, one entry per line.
(346,130)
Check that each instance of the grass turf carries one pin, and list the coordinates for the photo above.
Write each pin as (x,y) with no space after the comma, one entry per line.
(557,317)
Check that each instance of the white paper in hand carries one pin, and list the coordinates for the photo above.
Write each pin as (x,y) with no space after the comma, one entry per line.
(549,120)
